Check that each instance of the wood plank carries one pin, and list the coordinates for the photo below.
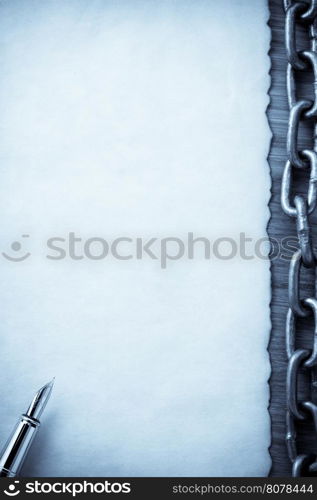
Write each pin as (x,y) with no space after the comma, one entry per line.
(279,227)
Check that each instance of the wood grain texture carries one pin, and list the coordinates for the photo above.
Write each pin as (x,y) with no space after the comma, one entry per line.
(279,227)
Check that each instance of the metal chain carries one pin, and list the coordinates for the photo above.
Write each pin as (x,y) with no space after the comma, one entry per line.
(301,362)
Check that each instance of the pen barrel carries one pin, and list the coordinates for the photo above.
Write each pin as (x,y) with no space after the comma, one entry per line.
(17,446)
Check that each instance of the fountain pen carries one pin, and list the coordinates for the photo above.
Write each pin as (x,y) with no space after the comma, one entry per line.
(18,444)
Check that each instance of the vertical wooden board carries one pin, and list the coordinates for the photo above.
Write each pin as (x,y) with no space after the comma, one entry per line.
(279,227)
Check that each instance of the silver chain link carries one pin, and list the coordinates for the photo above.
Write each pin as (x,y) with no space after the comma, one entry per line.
(302,362)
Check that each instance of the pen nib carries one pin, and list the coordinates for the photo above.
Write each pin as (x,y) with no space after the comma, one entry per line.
(39,401)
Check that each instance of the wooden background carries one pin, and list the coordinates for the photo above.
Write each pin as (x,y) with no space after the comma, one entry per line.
(279,227)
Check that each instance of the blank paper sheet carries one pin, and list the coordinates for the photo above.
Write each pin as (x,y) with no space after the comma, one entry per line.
(123,122)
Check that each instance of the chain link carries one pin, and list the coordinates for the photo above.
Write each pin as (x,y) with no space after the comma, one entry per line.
(311,156)
(302,362)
